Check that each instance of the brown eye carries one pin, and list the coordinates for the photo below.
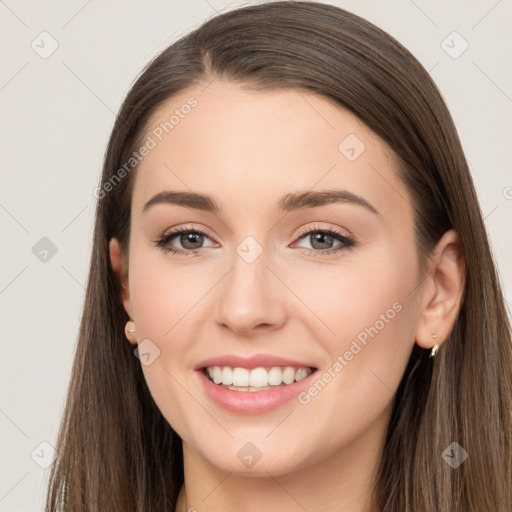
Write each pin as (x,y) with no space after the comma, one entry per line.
(321,241)
(190,240)
(325,241)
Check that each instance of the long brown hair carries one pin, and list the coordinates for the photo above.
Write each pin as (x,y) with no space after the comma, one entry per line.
(115,449)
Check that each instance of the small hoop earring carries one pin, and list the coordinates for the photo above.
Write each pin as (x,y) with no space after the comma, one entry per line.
(435,348)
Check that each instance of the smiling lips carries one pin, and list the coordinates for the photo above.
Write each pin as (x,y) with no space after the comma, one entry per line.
(252,385)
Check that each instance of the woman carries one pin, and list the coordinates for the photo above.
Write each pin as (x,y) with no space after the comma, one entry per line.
(224,365)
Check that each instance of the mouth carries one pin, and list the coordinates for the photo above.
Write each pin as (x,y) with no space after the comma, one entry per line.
(255,379)
(254,385)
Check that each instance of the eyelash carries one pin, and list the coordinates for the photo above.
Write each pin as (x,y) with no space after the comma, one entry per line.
(346,242)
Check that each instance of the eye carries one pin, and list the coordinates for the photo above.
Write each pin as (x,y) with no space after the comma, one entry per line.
(323,241)
(191,241)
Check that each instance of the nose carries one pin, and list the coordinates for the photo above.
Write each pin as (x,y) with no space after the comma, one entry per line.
(251,299)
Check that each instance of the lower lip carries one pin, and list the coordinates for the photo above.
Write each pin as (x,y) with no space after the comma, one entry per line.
(252,402)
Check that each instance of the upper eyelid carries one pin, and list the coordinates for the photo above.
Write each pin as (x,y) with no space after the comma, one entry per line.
(174,232)
(334,229)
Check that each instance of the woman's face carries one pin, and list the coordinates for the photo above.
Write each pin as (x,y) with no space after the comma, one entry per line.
(307,271)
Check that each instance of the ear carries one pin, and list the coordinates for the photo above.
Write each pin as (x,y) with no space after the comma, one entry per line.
(442,291)
(118,262)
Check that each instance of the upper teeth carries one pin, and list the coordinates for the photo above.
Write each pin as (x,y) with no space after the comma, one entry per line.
(257,377)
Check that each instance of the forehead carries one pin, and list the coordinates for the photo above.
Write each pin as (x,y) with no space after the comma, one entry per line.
(246,146)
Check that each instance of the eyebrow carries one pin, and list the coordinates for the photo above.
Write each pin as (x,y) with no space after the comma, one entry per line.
(287,203)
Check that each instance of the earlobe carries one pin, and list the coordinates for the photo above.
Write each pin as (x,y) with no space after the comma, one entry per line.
(442,292)
(129,331)
(119,267)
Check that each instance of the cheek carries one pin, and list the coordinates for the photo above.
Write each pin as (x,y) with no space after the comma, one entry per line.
(166,300)
(163,294)
(366,366)
(368,313)
(373,315)
(354,298)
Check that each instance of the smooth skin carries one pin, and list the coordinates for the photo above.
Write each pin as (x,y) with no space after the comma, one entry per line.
(247,149)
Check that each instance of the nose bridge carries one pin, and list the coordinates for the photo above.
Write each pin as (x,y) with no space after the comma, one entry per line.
(250,293)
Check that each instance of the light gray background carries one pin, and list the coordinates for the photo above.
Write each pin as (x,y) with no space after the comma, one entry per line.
(57,113)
